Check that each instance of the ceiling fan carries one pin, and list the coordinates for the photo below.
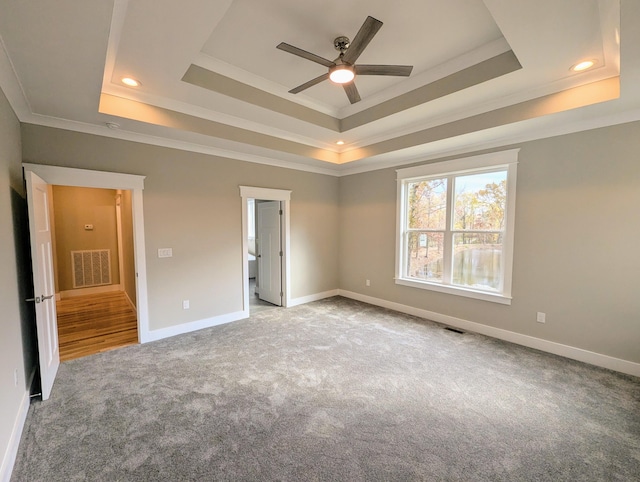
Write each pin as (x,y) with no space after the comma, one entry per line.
(343,69)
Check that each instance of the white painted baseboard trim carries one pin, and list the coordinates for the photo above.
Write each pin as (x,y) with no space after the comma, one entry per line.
(154,335)
(310,298)
(89,291)
(130,302)
(9,457)
(566,351)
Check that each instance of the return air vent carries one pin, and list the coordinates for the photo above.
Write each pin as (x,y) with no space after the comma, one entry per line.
(91,267)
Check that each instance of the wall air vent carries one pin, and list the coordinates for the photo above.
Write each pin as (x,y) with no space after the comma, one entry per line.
(91,267)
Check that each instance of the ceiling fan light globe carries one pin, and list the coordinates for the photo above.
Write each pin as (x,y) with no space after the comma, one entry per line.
(341,74)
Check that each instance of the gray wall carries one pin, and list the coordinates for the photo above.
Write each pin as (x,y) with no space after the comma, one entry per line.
(192,204)
(576,244)
(16,323)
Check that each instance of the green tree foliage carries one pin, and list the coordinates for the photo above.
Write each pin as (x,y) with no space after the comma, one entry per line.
(481,210)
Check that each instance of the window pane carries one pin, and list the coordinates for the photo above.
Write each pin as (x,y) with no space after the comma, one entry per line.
(477,260)
(427,206)
(480,201)
(425,255)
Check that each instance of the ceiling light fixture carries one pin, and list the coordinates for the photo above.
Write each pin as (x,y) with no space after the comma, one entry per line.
(340,143)
(130,81)
(584,65)
(341,74)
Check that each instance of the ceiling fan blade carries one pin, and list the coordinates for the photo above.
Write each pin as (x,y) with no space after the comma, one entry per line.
(311,83)
(398,70)
(369,28)
(352,92)
(305,55)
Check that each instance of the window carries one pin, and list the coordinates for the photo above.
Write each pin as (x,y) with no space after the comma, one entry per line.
(456,224)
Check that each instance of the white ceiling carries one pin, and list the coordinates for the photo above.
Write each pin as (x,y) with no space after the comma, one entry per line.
(486,73)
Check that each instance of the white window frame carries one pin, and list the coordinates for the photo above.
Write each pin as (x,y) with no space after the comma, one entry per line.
(469,165)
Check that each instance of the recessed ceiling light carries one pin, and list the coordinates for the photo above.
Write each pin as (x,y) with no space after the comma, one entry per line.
(584,65)
(340,143)
(130,81)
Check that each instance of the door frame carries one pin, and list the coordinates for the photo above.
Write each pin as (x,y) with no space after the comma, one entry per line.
(66,176)
(266,194)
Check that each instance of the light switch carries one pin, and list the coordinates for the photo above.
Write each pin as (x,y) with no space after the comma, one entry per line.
(165,252)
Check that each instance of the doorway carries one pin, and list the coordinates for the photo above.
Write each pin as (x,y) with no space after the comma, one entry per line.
(92,234)
(269,245)
(265,254)
(38,178)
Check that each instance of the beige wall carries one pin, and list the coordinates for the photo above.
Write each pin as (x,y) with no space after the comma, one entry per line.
(576,244)
(192,204)
(73,207)
(128,277)
(15,320)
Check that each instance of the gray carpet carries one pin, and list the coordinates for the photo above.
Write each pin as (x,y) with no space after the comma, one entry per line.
(332,390)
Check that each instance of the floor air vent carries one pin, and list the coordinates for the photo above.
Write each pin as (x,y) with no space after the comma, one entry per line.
(91,267)
(455,330)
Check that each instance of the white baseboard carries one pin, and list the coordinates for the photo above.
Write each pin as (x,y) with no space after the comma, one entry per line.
(154,335)
(89,291)
(604,361)
(133,305)
(310,298)
(9,458)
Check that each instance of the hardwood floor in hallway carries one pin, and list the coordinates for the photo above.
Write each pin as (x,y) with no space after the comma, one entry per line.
(95,323)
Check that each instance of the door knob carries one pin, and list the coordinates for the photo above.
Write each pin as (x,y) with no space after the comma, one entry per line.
(43,297)
(36,299)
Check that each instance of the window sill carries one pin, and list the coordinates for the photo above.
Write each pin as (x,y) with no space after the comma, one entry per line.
(455,290)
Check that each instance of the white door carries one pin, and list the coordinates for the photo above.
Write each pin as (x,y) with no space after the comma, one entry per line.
(44,289)
(269,252)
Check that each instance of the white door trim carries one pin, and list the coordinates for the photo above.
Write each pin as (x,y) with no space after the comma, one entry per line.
(65,176)
(246,193)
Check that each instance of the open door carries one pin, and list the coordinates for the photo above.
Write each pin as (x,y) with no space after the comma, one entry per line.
(43,284)
(269,252)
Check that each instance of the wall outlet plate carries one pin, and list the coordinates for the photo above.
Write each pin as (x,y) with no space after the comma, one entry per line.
(165,252)
(541,317)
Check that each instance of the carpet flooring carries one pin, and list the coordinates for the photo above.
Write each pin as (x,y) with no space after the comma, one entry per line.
(332,390)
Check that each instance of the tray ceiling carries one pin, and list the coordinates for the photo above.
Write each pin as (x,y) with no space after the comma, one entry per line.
(485,73)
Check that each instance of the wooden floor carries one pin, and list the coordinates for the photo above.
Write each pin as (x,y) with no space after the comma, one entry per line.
(95,323)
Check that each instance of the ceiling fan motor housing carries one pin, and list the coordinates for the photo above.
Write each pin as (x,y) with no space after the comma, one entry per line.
(341,43)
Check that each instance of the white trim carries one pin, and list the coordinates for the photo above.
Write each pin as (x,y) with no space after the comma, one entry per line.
(266,194)
(65,176)
(9,458)
(311,298)
(456,290)
(68,176)
(95,290)
(585,356)
(155,335)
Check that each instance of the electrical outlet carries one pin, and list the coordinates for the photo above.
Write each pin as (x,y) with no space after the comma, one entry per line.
(185,304)
(541,317)
(367,282)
